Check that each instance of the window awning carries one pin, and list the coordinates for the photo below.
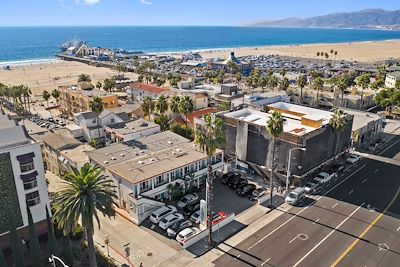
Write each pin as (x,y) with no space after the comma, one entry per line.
(25,156)
(29,177)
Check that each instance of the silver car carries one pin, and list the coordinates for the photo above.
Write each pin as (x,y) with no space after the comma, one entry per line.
(186,200)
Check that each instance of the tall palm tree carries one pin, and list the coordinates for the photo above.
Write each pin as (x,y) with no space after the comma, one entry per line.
(301,82)
(341,85)
(26,93)
(274,127)
(335,53)
(96,105)
(161,104)
(174,104)
(272,82)
(317,85)
(284,84)
(55,94)
(84,78)
(318,54)
(46,96)
(338,122)
(186,107)
(147,106)
(208,138)
(84,193)
(282,72)
(109,84)
(363,81)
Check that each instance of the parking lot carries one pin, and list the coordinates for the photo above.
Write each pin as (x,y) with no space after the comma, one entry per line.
(225,200)
(49,123)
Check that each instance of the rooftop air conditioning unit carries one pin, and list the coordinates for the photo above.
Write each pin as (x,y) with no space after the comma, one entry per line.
(140,162)
(142,151)
(113,158)
(105,162)
(122,155)
(170,142)
(178,150)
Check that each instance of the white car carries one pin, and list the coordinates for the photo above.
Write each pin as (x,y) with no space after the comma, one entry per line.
(324,177)
(353,159)
(195,217)
(186,200)
(311,187)
(157,215)
(184,235)
(170,220)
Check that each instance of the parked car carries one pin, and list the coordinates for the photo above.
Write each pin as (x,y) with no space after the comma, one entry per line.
(296,196)
(353,159)
(311,187)
(217,217)
(186,200)
(193,207)
(170,220)
(324,177)
(177,227)
(241,186)
(257,194)
(239,182)
(187,233)
(226,177)
(247,190)
(159,214)
(234,180)
(195,218)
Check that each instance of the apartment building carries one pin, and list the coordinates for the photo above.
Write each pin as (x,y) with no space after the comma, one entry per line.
(22,181)
(391,79)
(74,99)
(144,169)
(138,91)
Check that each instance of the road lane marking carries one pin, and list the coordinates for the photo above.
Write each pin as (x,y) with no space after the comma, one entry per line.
(389,147)
(264,262)
(364,180)
(351,192)
(328,235)
(318,220)
(334,205)
(294,238)
(294,216)
(338,260)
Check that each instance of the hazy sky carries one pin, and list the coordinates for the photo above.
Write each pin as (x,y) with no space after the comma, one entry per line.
(171,12)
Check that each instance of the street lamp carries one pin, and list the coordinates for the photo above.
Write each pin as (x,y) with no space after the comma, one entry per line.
(53,258)
(288,168)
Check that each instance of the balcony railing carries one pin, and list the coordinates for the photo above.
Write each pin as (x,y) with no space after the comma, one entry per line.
(33,201)
(30,185)
(162,183)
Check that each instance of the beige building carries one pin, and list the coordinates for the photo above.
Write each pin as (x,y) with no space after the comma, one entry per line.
(391,79)
(73,99)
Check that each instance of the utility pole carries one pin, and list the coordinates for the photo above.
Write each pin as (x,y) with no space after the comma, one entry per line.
(288,167)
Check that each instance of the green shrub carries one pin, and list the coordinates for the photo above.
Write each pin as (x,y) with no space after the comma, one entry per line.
(78,233)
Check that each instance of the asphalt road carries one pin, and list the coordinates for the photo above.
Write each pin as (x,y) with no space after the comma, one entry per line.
(354,222)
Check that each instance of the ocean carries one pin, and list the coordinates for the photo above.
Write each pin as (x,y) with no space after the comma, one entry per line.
(36,44)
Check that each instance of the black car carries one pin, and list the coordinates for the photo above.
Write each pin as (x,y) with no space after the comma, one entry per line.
(247,190)
(239,182)
(240,186)
(234,180)
(189,209)
(226,177)
(173,230)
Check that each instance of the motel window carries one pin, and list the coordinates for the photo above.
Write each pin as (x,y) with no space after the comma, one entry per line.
(27,165)
(187,170)
(172,175)
(33,198)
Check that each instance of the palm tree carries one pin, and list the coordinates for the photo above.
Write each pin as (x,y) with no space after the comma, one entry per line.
(338,122)
(284,84)
(301,82)
(272,82)
(55,94)
(186,107)
(282,72)
(208,138)
(46,96)
(317,85)
(99,85)
(161,104)
(174,104)
(109,84)
(84,78)
(326,57)
(274,128)
(341,85)
(96,105)
(163,121)
(84,193)
(335,53)
(147,106)
(26,93)
(363,81)
(318,54)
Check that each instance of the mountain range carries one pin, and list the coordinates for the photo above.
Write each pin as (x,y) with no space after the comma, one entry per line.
(364,19)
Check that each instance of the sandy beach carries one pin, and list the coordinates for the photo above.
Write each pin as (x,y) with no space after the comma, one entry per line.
(366,52)
(48,76)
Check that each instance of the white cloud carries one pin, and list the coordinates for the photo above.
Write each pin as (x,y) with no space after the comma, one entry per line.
(88,2)
(146,2)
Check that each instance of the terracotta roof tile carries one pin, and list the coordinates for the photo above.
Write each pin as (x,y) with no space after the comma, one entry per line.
(148,88)
(200,113)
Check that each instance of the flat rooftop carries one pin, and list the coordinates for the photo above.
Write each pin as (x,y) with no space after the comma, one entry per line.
(77,154)
(293,115)
(120,152)
(89,92)
(361,118)
(132,126)
(151,165)
(11,134)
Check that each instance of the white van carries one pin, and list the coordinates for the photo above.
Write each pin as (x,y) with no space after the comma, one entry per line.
(161,213)
(296,196)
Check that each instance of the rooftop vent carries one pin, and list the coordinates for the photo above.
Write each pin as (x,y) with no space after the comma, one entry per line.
(142,151)
(113,158)
(140,162)
(169,142)
(105,162)
(178,150)
(122,155)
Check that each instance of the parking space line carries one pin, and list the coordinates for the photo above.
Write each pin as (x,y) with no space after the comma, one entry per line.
(328,235)
(334,205)
(351,192)
(298,213)
(294,238)
(398,229)
(264,262)
(364,180)
(315,221)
